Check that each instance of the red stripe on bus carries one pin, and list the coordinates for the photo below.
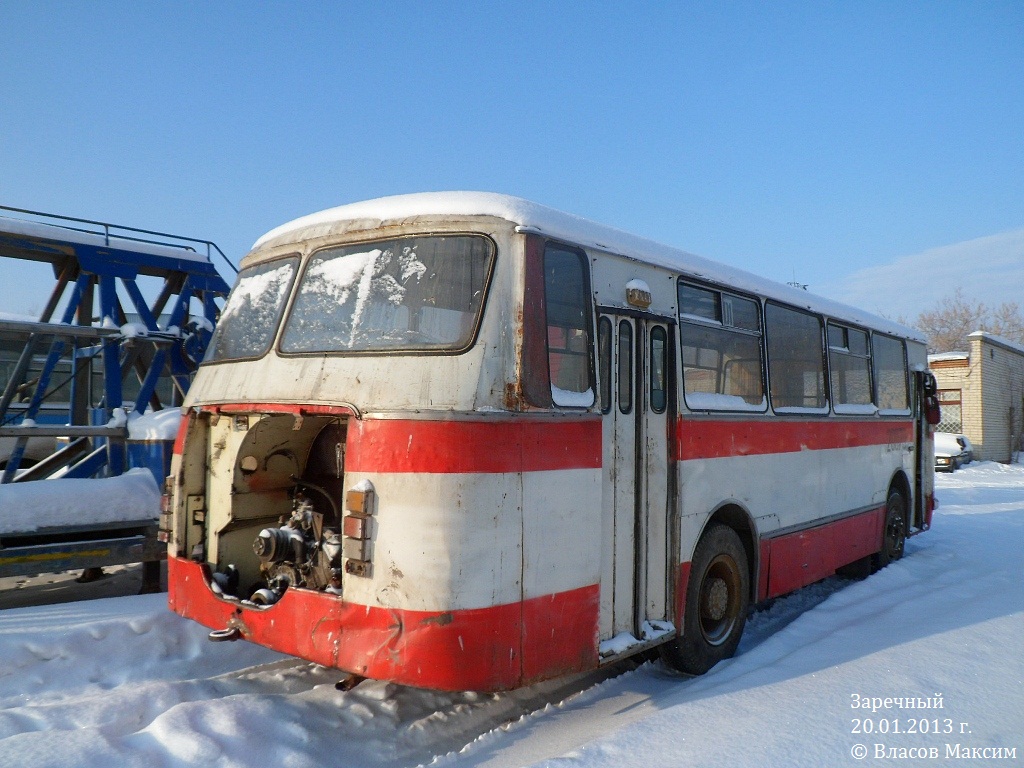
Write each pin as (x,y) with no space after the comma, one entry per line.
(560,633)
(483,649)
(763,561)
(403,445)
(700,439)
(179,438)
(798,559)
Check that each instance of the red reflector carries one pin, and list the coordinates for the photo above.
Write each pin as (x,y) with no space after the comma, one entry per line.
(355,527)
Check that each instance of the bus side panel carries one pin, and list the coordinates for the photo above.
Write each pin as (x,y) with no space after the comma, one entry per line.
(473,649)
(561,570)
(442,542)
(790,475)
(469,500)
(801,558)
(459,544)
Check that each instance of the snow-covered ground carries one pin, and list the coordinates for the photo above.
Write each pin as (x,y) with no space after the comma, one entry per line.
(122,681)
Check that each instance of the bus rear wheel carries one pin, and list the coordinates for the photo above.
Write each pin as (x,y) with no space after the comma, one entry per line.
(894,537)
(717,598)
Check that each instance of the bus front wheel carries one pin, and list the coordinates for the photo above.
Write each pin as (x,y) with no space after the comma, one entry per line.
(717,597)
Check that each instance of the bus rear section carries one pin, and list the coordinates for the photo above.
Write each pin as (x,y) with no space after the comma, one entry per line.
(391,548)
(371,493)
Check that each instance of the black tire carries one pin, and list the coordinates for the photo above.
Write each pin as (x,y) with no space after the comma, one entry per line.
(894,534)
(717,598)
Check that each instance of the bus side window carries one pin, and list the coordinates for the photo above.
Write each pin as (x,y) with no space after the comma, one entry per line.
(890,373)
(721,350)
(567,308)
(624,374)
(659,399)
(796,363)
(849,366)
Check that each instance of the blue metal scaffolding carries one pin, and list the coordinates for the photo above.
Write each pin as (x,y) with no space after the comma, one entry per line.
(97,333)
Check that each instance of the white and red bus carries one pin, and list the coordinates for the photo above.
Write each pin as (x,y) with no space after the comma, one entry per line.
(463,441)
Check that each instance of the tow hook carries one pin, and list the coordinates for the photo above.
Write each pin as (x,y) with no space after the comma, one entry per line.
(349,682)
(223,635)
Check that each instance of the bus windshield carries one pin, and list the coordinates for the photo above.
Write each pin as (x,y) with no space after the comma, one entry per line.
(415,293)
(249,320)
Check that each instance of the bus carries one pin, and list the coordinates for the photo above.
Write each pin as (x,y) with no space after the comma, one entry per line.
(463,441)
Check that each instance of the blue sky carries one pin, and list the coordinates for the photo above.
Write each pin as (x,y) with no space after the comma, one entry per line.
(807,141)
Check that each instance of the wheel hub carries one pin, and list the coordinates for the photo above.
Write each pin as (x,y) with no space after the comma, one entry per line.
(716,599)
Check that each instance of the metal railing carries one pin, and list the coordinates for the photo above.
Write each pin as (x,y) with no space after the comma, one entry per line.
(119,228)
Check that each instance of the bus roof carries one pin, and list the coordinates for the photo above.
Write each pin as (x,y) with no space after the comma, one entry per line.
(532,217)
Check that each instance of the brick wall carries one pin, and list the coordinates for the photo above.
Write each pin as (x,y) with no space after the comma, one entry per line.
(961,374)
(990,379)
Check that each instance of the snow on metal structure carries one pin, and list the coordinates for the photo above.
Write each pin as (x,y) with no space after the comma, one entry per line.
(463,441)
(98,357)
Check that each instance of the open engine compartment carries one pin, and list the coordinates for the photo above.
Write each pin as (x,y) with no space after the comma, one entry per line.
(263,496)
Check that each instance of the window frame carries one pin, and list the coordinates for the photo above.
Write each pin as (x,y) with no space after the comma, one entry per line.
(285,308)
(630,373)
(798,410)
(907,388)
(310,257)
(653,361)
(588,322)
(843,408)
(699,321)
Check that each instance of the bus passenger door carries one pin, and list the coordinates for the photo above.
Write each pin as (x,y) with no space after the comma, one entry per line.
(926,416)
(633,356)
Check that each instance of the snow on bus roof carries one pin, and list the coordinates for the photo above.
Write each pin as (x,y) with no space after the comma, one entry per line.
(68,235)
(531,216)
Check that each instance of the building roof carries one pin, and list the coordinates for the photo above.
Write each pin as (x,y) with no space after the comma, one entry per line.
(999,341)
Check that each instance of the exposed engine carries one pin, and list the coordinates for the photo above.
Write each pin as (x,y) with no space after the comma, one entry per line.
(283,525)
(301,552)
